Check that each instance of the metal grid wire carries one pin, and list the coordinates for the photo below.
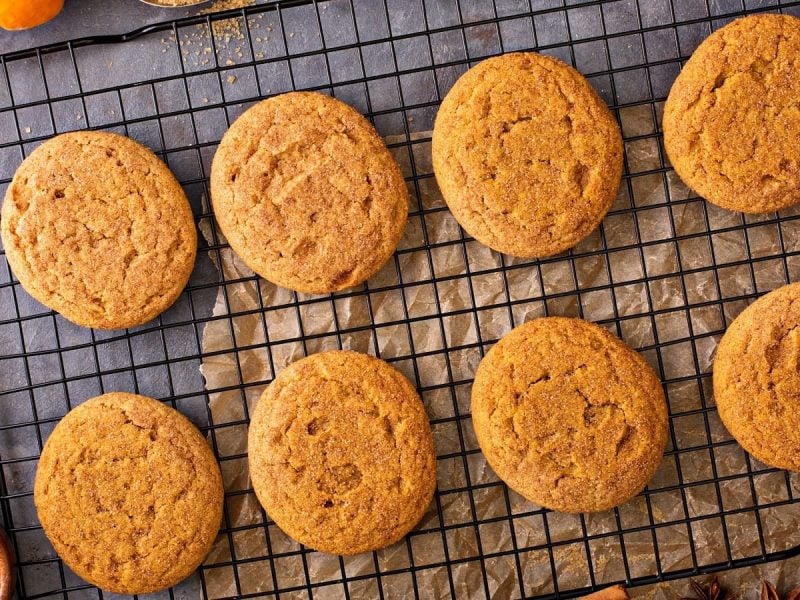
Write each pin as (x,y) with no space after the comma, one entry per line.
(666,272)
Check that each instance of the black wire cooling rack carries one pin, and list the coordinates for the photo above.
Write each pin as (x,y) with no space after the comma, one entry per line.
(665,271)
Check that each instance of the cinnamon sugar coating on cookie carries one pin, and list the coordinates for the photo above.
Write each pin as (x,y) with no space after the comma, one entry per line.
(756,379)
(732,119)
(129,493)
(341,453)
(96,227)
(568,415)
(308,194)
(526,154)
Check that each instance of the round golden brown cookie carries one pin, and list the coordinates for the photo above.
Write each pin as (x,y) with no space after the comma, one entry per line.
(568,415)
(7,565)
(341,453)
(96,227)
(526,154)
(129,493)
(756,381)
(732,119)
(308,194)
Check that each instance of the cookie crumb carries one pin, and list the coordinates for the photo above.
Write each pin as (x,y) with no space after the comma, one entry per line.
(226,30)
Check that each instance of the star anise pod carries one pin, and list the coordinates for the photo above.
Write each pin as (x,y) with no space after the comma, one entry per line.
(768,592)
(712,591)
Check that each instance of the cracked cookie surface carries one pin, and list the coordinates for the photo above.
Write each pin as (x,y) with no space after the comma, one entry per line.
(341,453)
(732,119)
(307,194)
(756,378)
(97,228)
(129,493)
(526,154)
(568,415)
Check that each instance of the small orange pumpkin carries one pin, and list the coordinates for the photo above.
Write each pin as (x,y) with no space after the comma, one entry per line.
(24,14)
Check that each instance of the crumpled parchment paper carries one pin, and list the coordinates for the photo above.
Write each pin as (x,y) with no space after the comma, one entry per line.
(626,283)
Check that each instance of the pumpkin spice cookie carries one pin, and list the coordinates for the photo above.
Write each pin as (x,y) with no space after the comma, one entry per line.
(7,566)
(129,493)
(568,415)
(731,122)
(307,194)
(756,381)
(341,453)
(527,155)
(96,227)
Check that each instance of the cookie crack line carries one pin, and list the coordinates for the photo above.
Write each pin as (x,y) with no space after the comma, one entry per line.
(772,380)
(755,67)
(508,216)
(589,403)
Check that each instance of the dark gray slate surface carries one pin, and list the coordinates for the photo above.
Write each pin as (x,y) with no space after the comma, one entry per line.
(92,17)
